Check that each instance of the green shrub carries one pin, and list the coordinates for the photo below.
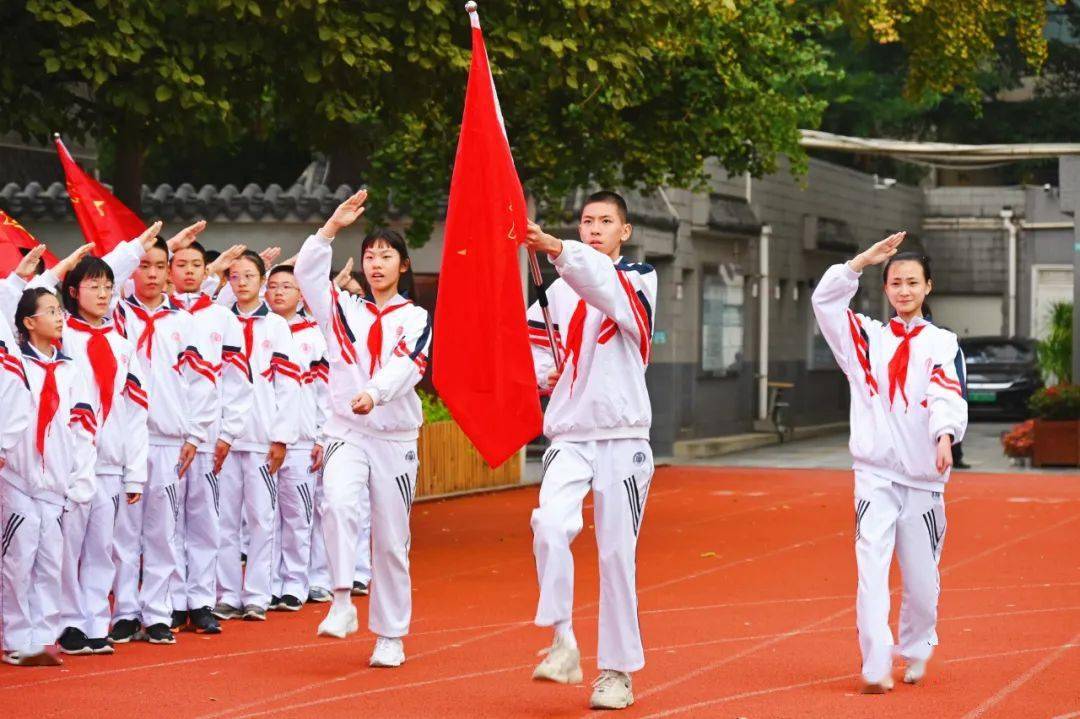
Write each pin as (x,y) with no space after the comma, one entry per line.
(434,409)
(1055,352)
(1056,403)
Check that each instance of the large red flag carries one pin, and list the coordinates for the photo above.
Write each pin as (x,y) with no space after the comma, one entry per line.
(104,220)
(483,366)
(15,242)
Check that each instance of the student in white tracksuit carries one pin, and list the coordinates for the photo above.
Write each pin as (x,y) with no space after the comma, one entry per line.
(198,530)
(377,347)
(298,478)
(181,388)
(108,361)
(908,406)
(598,421)
(248,480)
(50,469)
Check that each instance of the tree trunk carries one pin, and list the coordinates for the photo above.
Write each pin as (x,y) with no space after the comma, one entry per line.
(130,160)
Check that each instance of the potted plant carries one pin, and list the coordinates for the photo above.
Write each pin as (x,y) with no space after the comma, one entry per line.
(1019,442)
(449,464)
(1057,425)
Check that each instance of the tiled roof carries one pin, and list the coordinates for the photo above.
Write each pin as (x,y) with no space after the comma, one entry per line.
(274,203)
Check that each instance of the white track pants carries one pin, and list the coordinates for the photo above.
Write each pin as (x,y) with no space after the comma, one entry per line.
(318,566)
(619,472)
(32,550)
(147,529)
(89,569)
(913,520)
(383,473)
(197,537)
(249,492)
(296,502)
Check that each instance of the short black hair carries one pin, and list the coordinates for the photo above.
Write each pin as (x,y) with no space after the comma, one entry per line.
(198,248)
(89,268)
(287,269)
(211,255)
(161,244)
(28,307)
(610,197)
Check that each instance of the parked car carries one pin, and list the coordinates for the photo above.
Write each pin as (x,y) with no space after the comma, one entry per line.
(1002,374)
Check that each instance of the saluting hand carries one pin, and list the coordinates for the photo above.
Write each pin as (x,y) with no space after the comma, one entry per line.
(878,252)
(61,268)
(186,236)
(28,264)
(149,236)
(346,213)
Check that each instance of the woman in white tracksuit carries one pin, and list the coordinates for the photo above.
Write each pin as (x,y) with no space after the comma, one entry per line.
(377,347)
(908,407)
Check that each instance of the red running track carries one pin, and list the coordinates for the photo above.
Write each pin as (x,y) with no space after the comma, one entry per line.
(746,579)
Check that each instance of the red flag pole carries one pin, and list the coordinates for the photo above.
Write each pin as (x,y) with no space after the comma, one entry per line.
(534,264)
(541,298)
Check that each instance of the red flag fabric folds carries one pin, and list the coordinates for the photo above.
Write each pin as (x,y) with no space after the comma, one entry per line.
(483,366)
(15,242)
(105,221)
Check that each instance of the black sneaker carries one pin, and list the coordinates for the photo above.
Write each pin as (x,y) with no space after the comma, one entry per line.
(204,622)
(179,619)
(289,603)
(100,646)
(961,465)
(275,603)
(359,589)
(73,641)
(160,634)
(124,630)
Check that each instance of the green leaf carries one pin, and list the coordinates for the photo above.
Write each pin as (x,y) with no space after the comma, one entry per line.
(163,93)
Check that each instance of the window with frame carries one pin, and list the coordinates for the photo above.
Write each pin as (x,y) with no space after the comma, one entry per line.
(723,320)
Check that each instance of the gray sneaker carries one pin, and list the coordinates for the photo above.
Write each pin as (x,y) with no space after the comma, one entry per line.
(319,595)
(225,611)
(254,613)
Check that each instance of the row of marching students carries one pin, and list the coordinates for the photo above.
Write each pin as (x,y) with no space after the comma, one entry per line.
(144,434)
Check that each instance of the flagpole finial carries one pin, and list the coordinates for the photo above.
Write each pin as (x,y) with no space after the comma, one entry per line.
(56,135)
(470,7)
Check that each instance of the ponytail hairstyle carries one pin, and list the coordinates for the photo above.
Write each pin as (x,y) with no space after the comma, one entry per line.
(27,308)
(406,285)
(924,262)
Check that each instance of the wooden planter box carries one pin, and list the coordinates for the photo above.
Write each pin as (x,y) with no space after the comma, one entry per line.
(1057,443)
(449,464)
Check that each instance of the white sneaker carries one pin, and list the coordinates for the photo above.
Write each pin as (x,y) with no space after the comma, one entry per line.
(562,663)
(389,652)
(915,671)
(611,690)
(882,686)
(339,623)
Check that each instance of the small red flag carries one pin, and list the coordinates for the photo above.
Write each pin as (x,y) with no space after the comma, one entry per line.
(15,242)
(483,366)
(105,221)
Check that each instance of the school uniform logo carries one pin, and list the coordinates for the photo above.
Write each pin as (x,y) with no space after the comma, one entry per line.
(639,458)
(176,336)
(266,344)
(216,337)
(305,348)
(410,456)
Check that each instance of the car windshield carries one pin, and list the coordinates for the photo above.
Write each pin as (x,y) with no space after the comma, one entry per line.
(997,353)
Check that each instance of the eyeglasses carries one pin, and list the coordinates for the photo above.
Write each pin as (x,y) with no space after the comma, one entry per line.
(245,278)
(274,287)
(98,289)
(51,312)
